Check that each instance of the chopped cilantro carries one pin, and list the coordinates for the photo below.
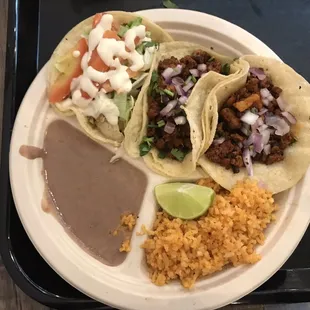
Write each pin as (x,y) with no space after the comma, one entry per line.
(254,110)
(125,27)
(169,4)
(161,123)
(136,22)
(162,154)
(160,91)
(194,79)
(169,92)
(122,30)
(141,47)
(226,69)
(154,84)
(148,140)
(154,76)
(144,148)
(211,59)
(178,154)
(146,145)
(150,44)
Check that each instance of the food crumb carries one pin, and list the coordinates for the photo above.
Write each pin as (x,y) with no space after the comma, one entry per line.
(125,247)
(127,224)
(145,231)
(129,221)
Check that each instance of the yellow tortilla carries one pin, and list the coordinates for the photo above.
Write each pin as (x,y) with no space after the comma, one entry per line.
(296,92)
(106,133)
(137,127)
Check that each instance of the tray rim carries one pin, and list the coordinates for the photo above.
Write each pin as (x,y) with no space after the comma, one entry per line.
(11,62)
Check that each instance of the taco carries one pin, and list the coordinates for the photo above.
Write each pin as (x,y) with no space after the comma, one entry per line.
(98,71)
(165,128)
(260,127)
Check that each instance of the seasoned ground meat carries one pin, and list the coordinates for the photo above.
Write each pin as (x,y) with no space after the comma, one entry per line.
(234,132)
(252,85)
(160,144)
(272,106)
(171,62)
(172,138)
(163,85)
(276,91)
(231,100)
(242,93)
(226,154)
(237,138)
(277,112)
(214,65)
(188,63)
(286,141)
(220,130)
(266,83)
(153,110)
(273,158)
(229,116)
(201,56)
(258,105)
(151,132)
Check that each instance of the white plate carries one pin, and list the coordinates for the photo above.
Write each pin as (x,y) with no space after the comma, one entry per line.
(128,286)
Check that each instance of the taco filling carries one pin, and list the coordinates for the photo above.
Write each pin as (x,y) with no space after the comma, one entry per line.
(171,85)
(102,75)
(253,126)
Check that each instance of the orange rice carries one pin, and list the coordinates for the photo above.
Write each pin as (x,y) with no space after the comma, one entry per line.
(226,235)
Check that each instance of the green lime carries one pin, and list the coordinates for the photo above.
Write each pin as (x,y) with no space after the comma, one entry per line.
(186,201)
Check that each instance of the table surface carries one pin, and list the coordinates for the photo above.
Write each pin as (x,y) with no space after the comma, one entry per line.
(11,297)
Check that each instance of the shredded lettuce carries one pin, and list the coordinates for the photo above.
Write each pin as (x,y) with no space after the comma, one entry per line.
(134,23)
(137,84)
(125,105)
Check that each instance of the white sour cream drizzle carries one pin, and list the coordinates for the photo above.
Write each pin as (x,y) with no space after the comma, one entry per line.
(109,50)
(76,54)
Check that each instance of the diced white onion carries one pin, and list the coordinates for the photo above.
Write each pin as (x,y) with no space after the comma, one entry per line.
(170,105)
(249,118)
(180,120)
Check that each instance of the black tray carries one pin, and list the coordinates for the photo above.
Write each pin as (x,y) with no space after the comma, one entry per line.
(34,29)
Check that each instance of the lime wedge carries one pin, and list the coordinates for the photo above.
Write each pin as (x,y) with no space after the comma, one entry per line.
(186,201)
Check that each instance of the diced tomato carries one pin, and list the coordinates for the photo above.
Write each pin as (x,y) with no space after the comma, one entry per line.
(137,40)
(131,73)
(97,19)
(61,88)
(84,94)
(107,86)
(110,34)
(97,63)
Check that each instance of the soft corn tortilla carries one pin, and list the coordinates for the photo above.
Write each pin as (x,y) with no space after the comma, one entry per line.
(137,127)
(105,133)
(296,92)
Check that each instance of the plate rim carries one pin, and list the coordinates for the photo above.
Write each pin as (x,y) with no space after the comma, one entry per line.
(152,303)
